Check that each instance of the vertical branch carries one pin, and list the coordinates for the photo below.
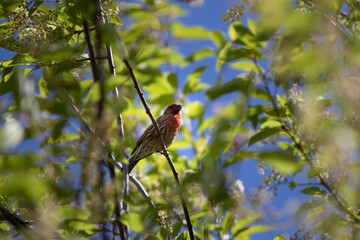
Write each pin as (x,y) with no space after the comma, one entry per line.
(99,129)
(124,230)
(98,35)
(92,57)
(170,162)
(97,71)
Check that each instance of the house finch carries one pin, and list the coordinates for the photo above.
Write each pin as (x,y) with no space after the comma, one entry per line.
(149,143)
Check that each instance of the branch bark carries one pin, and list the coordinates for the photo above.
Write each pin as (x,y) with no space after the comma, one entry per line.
(170,162)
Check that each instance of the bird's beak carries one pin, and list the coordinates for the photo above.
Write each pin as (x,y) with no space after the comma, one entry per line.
(178,107)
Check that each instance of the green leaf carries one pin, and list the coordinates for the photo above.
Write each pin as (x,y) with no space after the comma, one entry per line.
(253,113)
(316,192)
(283,161)
(183,236)
(94,93)
(181,31)
(237,84)
(229,53)
(246,65)
(240,34)
(5,227)
(284,104)
(74,212)
(43,87)
(227,223)
(163,234)
(246,233)
(262,134)
(7,6)
(196,110)
(115,20)
(242,223)
(173,80)
(314,203)
(56,132)
(200,54)
(193,83)
(134,221)
(280,237)
(244,85)
(315,171)
(176,228)
(86,227)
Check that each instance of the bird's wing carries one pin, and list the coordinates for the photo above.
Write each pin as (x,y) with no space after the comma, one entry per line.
(148,134)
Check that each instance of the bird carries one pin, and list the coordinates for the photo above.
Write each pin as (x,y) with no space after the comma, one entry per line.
(149,142)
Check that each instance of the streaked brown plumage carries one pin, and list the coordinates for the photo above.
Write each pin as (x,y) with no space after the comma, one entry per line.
(149,142)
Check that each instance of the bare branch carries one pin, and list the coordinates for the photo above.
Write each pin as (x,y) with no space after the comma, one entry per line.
(153,120)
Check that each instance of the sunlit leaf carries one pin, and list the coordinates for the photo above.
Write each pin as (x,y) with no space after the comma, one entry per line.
(5,227)
(227,223)
(181,31)
(283,161)
(280,237)
(201,54)
(316,192)
(134,221)
(229,53)
(193,82)
(73,212)
(306,206)
(196,110)
(242,223)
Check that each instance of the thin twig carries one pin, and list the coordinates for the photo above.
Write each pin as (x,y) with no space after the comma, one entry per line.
(91,51)
(153,120)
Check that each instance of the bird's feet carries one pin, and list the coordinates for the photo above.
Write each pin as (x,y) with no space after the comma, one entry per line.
(162,153)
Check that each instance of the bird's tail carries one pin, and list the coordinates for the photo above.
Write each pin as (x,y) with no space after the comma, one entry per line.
(132,163)
(135,158)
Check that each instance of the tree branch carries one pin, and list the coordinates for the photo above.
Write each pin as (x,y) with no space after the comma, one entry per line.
(124,230)
(153,120)
(91,51)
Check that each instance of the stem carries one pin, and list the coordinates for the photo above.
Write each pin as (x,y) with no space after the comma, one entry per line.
(170,162)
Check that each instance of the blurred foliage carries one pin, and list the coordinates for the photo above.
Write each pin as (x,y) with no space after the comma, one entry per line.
(293,108)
